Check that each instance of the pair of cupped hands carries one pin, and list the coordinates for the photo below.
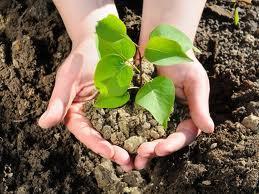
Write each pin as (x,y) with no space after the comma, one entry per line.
(74,86)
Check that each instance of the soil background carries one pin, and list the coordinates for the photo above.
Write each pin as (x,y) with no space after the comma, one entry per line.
(33,43)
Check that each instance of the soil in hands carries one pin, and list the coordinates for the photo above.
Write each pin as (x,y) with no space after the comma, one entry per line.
(130,125)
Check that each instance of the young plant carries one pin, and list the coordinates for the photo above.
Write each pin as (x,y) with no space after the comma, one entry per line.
(115,70)
(236,12)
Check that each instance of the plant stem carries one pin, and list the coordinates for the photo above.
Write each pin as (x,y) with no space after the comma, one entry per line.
(133,87)
(140,71)
(134,66)
(140,64)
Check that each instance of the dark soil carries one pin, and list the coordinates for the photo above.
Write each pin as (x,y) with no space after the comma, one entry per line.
(33,42)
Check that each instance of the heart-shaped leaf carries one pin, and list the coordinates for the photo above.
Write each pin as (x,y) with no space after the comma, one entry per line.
(111,29)
(172,33)
(123,47)
(157,97)
(113,76)
(111,101)
(162,51)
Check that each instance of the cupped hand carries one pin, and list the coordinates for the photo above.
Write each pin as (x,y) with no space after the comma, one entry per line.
(74,86)
(192,87)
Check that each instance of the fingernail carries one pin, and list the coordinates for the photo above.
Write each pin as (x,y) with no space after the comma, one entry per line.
(43,118)
(127,168)
(45,115)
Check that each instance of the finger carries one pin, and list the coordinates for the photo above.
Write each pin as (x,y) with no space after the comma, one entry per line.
(196,88)
(147,149)
(80,127)
(141,162)
(128,167)
(62,96)
(121,156)
(83,131)
(186,133)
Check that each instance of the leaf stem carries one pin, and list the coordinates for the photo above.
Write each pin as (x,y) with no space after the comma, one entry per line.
(133,87)
(140,64)
(134,66)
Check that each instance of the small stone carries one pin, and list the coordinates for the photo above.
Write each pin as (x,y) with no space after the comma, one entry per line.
(10,175)
(133,122)
(23,59)
(249,39)
(246,1)
(132,190)
(57,136)
(133,178)
(106,131)
(153,122)
(252,26)
(105,174)
(253,108)
(154,134)
(160,130)
(132,144)
(251,122)
(117,138)
(123,125)
(23,106)
(98,122)
(207,182)
(242,136)
(101,112)
(213,146)
(242,142)
(146,126)
(2,23)
(243,163)
(220,11)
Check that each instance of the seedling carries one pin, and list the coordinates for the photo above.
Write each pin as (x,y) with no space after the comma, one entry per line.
(236,12)
(115,70)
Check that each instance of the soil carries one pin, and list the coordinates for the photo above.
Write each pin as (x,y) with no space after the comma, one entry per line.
(131,125)
(33,43)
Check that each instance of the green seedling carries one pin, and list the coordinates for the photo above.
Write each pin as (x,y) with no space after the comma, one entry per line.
(115,70)
(236,12)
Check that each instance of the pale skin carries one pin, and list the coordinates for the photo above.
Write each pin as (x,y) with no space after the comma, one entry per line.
(74,80)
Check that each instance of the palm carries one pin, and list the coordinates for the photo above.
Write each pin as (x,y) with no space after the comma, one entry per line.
(192,86)
(73,87)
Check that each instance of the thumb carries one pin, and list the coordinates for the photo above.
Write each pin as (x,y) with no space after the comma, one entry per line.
(62,96)
(197,91)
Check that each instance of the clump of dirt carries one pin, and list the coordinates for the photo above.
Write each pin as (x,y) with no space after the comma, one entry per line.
(110,182)
(128,126)
(131,125)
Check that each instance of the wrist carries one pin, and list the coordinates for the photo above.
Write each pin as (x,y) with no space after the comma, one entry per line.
(86,27)
(184,15)
(81,16)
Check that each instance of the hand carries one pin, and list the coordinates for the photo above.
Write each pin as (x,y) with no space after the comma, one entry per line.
(192,86)
(74,85)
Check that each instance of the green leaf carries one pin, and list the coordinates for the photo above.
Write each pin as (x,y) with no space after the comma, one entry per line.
(113,76)
(236,16)
(123,47)
(111,101)
(172,33)
(162,51)
(111,29)
(157,97)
